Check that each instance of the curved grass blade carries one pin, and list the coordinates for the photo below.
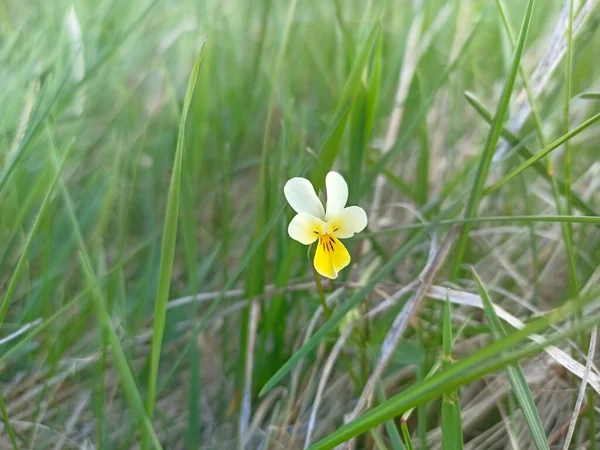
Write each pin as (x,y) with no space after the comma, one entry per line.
(590,95)
(525,153)
(553,146)
(589,220)
(168,248)
(452,436)
(492,140)
(514,372)
(129,385)
(474,367)
(331,146)
(417,119)
(7,424)
(18,271)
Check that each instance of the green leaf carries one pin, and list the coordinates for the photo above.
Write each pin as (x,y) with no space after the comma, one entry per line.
(129,385)
(485,160)
(541,154)
(525,154)
(331,147)
(21,263)
(417,119)
(514,372)
(590,95)
(168,248)
(6,420)
(452,436)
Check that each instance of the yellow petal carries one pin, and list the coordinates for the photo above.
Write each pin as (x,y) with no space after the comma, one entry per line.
(331,256)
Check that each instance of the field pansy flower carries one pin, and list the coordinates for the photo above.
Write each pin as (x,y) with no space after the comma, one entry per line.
(328,225)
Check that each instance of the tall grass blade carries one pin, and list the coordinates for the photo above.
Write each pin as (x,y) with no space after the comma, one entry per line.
(331,147)
(21,263)
(485,160)
(168,248)
(514,372)
(525,154)
(452,436)
(7,424)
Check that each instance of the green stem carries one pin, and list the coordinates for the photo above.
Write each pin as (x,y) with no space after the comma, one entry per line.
(326,309)
(406,434)
(6,420)
(328,312)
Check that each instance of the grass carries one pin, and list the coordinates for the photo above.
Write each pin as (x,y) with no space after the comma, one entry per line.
(151,296)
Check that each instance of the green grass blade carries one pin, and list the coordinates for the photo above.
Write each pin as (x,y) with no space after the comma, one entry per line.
(545,151)
(474,367)
(104,318)
(485,160)
(514,372)
(406,435)
(390,426)
(168,248)
(7,424)
(33,125)
(21,263)
(129,385)
(590,95)
(452,436)
(331,147)
(417,119)
(525,154)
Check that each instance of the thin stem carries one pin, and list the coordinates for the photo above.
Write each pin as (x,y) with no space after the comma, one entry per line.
(326,309)
(328,312)
(6,420)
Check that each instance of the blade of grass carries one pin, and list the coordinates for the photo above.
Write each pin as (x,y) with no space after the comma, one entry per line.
(390,426)
(541,154)
(590,220)
(422,184)
(331,147)
(21,263)
(452,436)
(126,376)
(255,277)
(120,360)
(590,95)
(7,424)
(525,154)
(168,250)
(381,163)
(476,193)
(514,372)
(474,367)
(406,435)
(361,121)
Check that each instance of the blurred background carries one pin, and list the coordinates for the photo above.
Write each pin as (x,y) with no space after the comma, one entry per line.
(149,290)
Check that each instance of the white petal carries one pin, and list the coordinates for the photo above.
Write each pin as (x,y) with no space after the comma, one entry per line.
(301,196)
(337,193)
(348,222)
(305,228)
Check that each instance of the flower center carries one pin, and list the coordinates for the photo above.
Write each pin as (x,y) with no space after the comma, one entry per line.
(328,242)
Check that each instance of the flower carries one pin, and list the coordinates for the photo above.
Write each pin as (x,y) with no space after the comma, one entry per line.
(328,226)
